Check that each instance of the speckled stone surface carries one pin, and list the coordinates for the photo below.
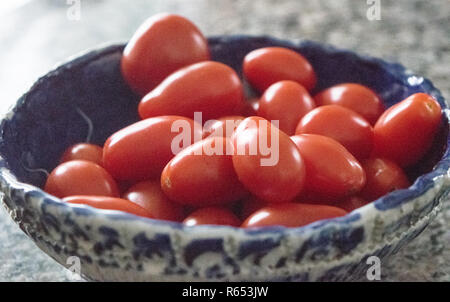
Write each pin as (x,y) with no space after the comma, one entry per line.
(414,33)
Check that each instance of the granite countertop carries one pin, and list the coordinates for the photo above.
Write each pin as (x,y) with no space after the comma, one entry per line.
(37,35)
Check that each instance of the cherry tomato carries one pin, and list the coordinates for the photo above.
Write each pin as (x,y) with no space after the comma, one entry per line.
(203,174)
(162,44)
(266,66)
(223,126)
(266,161)
(342,124)
(286,102)
(383,176)
(84,151)
(352,203)
(405,131)
(109,203)
(80,177)
(141,150)
(212,215)
(148,194)
(356,97)
(332,172)
(291,215)
(208,87)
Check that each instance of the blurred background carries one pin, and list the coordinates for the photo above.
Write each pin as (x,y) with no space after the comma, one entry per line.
(35,35)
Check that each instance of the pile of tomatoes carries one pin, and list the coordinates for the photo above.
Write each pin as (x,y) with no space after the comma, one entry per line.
(325,155)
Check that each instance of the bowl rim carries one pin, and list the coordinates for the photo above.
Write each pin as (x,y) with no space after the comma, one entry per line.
(389,201)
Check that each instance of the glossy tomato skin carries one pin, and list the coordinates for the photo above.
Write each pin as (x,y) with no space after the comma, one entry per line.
(356,97)
(223,126)
(80,177)
(84,151)
(148,194)
(266,66)
(212,216)
(342,124)
(394,134)
(332,172)
(291,215)
(275,175)
(199,177)
(163,44)
(208,87)
(109,203)
(383,176)
(287,102)
(141,150)
(250,107)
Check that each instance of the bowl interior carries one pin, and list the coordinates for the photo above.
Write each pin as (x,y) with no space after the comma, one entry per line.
(46,120)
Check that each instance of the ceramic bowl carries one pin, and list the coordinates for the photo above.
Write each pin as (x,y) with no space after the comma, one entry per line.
(115,246)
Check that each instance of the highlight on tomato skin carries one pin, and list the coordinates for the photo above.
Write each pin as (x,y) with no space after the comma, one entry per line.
(266,66)
(163,44)
(212,216)
(274,173)
(332,172)
(383,177)
(83,151)
(148,194)
(212,88)
(132,154)
(203,175)
(287,102)
(80,177)
(344,125)
(109,203)
(393,135)
(291,215)
(354,96)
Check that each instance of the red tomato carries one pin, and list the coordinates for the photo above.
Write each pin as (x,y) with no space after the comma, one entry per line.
(203,174)
(332,172)
(208,87)
(266,66)
(383,176)
(84,151)
(342,124)
(291,215)
(394,135)
(356,97)
(352,203)
(274,174)
(286,102)
(212,215)
(80,177)
(148,194)
(141,150)
(109,203)
(162,44)
(223,126)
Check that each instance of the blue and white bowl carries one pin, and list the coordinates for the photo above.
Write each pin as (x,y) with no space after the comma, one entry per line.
(115,246)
